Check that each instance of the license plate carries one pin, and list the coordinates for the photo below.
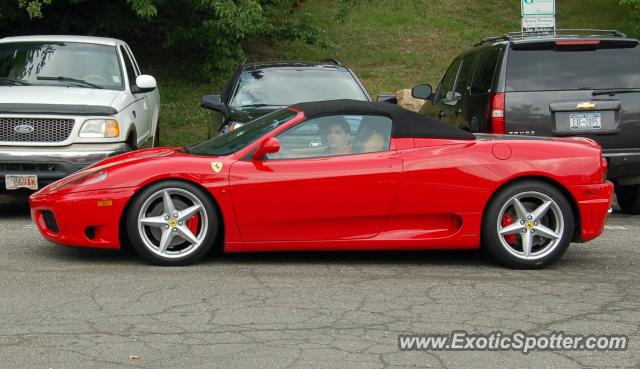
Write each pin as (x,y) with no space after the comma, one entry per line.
(15,181)
(585,121)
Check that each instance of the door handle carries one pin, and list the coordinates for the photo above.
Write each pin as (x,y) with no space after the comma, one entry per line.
(441,114)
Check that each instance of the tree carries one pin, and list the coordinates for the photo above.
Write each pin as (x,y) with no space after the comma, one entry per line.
(208,35)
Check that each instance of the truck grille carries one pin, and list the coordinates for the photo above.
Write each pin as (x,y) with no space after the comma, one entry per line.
(35,129)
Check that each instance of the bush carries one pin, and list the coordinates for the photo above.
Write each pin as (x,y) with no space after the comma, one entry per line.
(204,36)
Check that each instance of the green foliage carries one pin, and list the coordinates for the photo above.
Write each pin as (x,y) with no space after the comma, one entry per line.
(202,36)
(635,11)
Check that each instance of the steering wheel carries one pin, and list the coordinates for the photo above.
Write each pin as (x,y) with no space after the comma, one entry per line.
(96,78)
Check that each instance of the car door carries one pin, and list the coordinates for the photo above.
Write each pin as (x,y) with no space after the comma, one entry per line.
(139,108)
(306,192)
(440,107)
(459,107)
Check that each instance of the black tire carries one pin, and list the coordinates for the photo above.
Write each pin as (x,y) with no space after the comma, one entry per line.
(510,250)
(156,136)
(146,240)
(628,198)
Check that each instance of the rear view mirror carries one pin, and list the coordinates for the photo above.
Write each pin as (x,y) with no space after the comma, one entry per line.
(388,98)
(214,102)
(422,91)
(269,146)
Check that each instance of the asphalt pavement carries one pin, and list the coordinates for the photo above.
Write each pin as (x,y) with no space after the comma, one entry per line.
(74,308)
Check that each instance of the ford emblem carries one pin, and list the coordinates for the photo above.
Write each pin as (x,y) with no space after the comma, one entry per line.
(23,128)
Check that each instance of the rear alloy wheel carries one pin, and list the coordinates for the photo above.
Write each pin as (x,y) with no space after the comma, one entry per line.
(529,225)
(172,223)
(628,198)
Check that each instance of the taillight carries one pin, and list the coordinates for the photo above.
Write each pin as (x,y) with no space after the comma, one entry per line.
(496,113)
(605,168)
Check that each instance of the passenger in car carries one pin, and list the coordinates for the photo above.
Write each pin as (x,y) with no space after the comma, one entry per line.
(371,137)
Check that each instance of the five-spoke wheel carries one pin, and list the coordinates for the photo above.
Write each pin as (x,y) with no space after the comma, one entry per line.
(172,223)
(528,225)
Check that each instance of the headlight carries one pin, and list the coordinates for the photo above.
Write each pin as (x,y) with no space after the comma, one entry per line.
(100,128)
(83,178)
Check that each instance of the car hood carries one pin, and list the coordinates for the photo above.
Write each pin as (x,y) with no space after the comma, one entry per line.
(57,95)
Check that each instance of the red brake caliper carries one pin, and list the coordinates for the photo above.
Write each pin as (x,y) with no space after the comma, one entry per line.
(507,219)
(193,223)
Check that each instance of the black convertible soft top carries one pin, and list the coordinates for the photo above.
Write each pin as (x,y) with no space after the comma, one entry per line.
(405,123)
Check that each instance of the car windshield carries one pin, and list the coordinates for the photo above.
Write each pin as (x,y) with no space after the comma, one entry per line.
(60,64)
(239,138)
(288,86)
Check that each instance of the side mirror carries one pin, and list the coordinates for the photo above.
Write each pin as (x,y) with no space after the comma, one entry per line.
(422,91)
(145,83)
(451,98)
(214,102)
(268,146)
(388,98)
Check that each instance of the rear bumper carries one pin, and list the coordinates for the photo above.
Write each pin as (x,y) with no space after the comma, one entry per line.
(51,164)
(622,163)
(84,219)
(594,202)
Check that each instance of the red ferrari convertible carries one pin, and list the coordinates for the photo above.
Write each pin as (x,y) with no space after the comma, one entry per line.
(337,175)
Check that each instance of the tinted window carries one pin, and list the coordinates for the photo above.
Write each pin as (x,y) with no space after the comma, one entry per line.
(533,70)
(243,136)
(485,69)
(468,62)
(131,73)
(97,64)
(449,79)
(335,135)
(287,86)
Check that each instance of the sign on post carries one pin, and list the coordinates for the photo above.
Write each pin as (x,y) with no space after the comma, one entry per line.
(537,24)
(538,15)
(537,8)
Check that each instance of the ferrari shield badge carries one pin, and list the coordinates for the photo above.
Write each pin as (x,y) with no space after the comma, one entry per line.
(216,166)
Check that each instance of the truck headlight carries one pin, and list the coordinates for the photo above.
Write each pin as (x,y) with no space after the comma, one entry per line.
(100,128)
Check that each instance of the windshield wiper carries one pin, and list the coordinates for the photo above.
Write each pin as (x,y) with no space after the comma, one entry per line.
(614,92)
(256,105)
(15,81)
(68,79)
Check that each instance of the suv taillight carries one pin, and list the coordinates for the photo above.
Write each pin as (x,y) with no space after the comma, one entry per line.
(496,113)
(605,168)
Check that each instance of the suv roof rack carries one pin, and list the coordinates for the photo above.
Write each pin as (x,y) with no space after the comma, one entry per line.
(332,60)
(572,32)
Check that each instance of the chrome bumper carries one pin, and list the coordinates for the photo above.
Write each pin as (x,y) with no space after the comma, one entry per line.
(76,154)
(50,164)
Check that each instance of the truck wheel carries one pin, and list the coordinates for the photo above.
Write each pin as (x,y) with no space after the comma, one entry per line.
(629,198)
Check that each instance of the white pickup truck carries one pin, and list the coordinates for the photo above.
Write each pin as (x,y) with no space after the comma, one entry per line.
(67,102)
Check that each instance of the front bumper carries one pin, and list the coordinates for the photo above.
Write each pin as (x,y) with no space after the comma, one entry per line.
(84,219)
(51,164)
(594,202)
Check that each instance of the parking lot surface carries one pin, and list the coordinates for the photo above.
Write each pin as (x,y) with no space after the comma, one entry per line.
(74,308)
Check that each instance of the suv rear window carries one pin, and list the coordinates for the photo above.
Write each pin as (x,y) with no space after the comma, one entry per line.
(548,69)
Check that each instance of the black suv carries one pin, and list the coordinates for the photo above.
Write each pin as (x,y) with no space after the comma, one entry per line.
(259,88)
(568,83)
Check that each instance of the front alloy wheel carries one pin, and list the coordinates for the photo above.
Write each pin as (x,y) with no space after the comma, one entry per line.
(172,223)
(529,225)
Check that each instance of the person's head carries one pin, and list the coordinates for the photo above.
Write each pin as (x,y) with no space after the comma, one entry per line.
(371,137)
(336,134)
